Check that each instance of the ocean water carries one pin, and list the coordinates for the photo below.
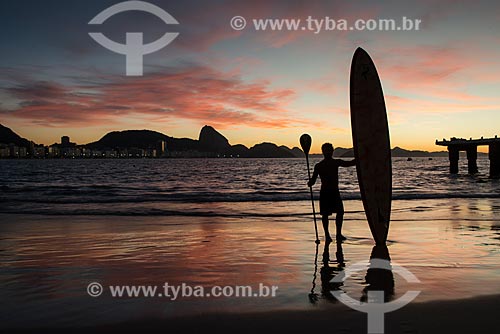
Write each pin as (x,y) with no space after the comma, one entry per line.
(175,187)
(67,223)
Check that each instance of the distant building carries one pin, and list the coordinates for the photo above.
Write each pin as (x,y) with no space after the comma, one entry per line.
(14,151)
(123,153)
(134,152)
(31,149)
(23,152)
(65,141)
(85,152)
(97,154)
(161,149)
(39,151)
(54,151)
(4,151)
(110,154)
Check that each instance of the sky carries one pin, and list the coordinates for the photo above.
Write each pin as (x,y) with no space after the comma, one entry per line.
(253,86)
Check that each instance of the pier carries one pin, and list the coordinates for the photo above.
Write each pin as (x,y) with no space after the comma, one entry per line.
(455,145)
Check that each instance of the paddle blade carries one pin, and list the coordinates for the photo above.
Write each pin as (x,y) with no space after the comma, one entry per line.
(305,143)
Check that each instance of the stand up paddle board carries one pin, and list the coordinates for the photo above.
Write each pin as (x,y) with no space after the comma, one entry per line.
(372,149)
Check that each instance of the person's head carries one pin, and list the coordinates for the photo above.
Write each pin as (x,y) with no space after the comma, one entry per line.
(327,150)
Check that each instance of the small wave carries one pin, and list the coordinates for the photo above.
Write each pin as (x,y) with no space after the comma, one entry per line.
(157,212)
(443,196)
(91,198)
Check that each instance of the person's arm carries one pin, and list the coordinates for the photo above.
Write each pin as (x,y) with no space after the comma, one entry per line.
(350,163)
(314,177)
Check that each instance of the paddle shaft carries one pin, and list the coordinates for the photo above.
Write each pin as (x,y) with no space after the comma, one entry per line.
(312,197)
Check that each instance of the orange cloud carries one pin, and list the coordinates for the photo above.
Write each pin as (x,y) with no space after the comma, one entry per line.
(197,93)
(423,68)
(430,79)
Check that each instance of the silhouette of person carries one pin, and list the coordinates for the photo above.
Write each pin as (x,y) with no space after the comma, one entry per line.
(329,199)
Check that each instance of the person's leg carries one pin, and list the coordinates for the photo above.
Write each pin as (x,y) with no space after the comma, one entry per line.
(324,219)
(325,210)
(339,219)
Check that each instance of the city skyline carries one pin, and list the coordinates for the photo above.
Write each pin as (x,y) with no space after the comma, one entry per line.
(65,140)
(254,86)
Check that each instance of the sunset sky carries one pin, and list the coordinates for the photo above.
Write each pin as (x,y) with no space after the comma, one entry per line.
(252,86)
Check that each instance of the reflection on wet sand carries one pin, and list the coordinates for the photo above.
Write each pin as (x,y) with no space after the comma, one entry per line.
(378,279)
(327,273)
(47,261)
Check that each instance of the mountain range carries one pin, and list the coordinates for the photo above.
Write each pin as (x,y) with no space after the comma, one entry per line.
(210,143)
(7,136)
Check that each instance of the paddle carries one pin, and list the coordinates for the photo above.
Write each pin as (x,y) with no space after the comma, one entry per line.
(305,142)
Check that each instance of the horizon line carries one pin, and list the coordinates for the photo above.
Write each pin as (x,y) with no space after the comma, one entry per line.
(316,153)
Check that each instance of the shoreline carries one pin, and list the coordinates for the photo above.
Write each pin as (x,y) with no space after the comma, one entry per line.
(471,315)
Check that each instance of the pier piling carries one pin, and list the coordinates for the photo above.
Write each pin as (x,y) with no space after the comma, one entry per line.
(455,145)
(454,156)
(494,155)
(472,159)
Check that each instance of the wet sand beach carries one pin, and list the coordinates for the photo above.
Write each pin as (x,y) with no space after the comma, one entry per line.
(450,245)
(474,315)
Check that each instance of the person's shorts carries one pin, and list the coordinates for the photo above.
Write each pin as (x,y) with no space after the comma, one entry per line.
(330,202)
